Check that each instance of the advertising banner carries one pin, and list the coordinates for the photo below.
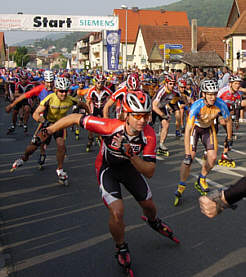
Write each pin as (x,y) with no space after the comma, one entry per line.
(113,49)
(57,23)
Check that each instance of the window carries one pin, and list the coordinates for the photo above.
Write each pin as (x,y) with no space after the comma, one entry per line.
(243,44)
(140,51)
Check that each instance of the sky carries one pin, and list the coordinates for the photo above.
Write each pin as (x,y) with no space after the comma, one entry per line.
(64,7)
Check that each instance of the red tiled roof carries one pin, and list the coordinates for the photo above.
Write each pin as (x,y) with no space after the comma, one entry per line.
(208,38)
(147,17)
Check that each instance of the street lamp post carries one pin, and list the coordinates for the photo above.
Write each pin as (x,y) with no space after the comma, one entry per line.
(124,7)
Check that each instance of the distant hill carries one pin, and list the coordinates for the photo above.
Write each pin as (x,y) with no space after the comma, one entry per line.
(64,41)
(212,13)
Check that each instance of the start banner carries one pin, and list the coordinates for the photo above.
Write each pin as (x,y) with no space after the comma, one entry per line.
(57,23)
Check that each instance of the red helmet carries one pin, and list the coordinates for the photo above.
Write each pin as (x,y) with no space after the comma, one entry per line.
(132,81)
(182,83)
(137,102)
(100,78)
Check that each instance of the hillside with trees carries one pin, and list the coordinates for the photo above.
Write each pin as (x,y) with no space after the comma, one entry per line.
(212,13)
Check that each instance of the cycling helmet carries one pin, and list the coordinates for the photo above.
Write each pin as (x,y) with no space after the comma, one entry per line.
(189,82)
(48,76)
(137,102)
(235,78)
(209,86)
(182,83)
(132,81)
(62,83)
(100,78)
(169,78)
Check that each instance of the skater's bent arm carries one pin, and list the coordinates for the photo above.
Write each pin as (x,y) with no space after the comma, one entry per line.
(106,108)
(156,108)
(188,129)
(64,122)
(15,102)
(144,167)
(36,115)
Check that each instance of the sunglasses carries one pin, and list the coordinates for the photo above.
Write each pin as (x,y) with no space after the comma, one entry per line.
(170,83)
(63,91)
(139,116)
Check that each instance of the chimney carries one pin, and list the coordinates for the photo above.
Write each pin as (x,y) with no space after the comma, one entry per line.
(194,35)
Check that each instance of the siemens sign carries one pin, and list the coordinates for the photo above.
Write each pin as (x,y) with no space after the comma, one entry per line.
(57,23)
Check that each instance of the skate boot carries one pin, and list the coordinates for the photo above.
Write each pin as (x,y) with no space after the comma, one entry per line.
(178,134)
(162,152)
(20,123)
(17,163)
(162,228)
(11,129)
(202,186)
(62,177)
(89,145)
(77,133)
(178,194)
(226,161)
(41,161)
(123,258)
(25,128)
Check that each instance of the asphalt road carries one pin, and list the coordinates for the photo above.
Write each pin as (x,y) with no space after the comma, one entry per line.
(51,230)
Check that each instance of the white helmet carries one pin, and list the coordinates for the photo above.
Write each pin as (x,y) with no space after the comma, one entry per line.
(209,86)
(62,83)
(48,76)
(235,78)
(137,102)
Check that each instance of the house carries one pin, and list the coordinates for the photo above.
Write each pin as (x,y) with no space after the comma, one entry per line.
(135,17)
(80,53)
(150,39)
(235,41)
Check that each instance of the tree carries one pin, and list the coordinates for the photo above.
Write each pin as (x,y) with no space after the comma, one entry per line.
(21,56)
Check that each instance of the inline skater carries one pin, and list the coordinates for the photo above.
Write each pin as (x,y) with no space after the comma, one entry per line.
(183,102)
(96,99)
(231,96)
(118,162)
(41,91)
(132,84)
(164,103)
(200,124)
(52,108)
(21,87)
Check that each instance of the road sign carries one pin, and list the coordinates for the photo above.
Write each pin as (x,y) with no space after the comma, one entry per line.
(175,51)
(174,46)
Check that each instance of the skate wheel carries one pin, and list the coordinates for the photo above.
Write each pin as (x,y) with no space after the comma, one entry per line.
(220,162)
(12,169)
(228,164)
(41,167)
(176,240)
(176,201)
(167,154)
(233,164)
(130,273)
